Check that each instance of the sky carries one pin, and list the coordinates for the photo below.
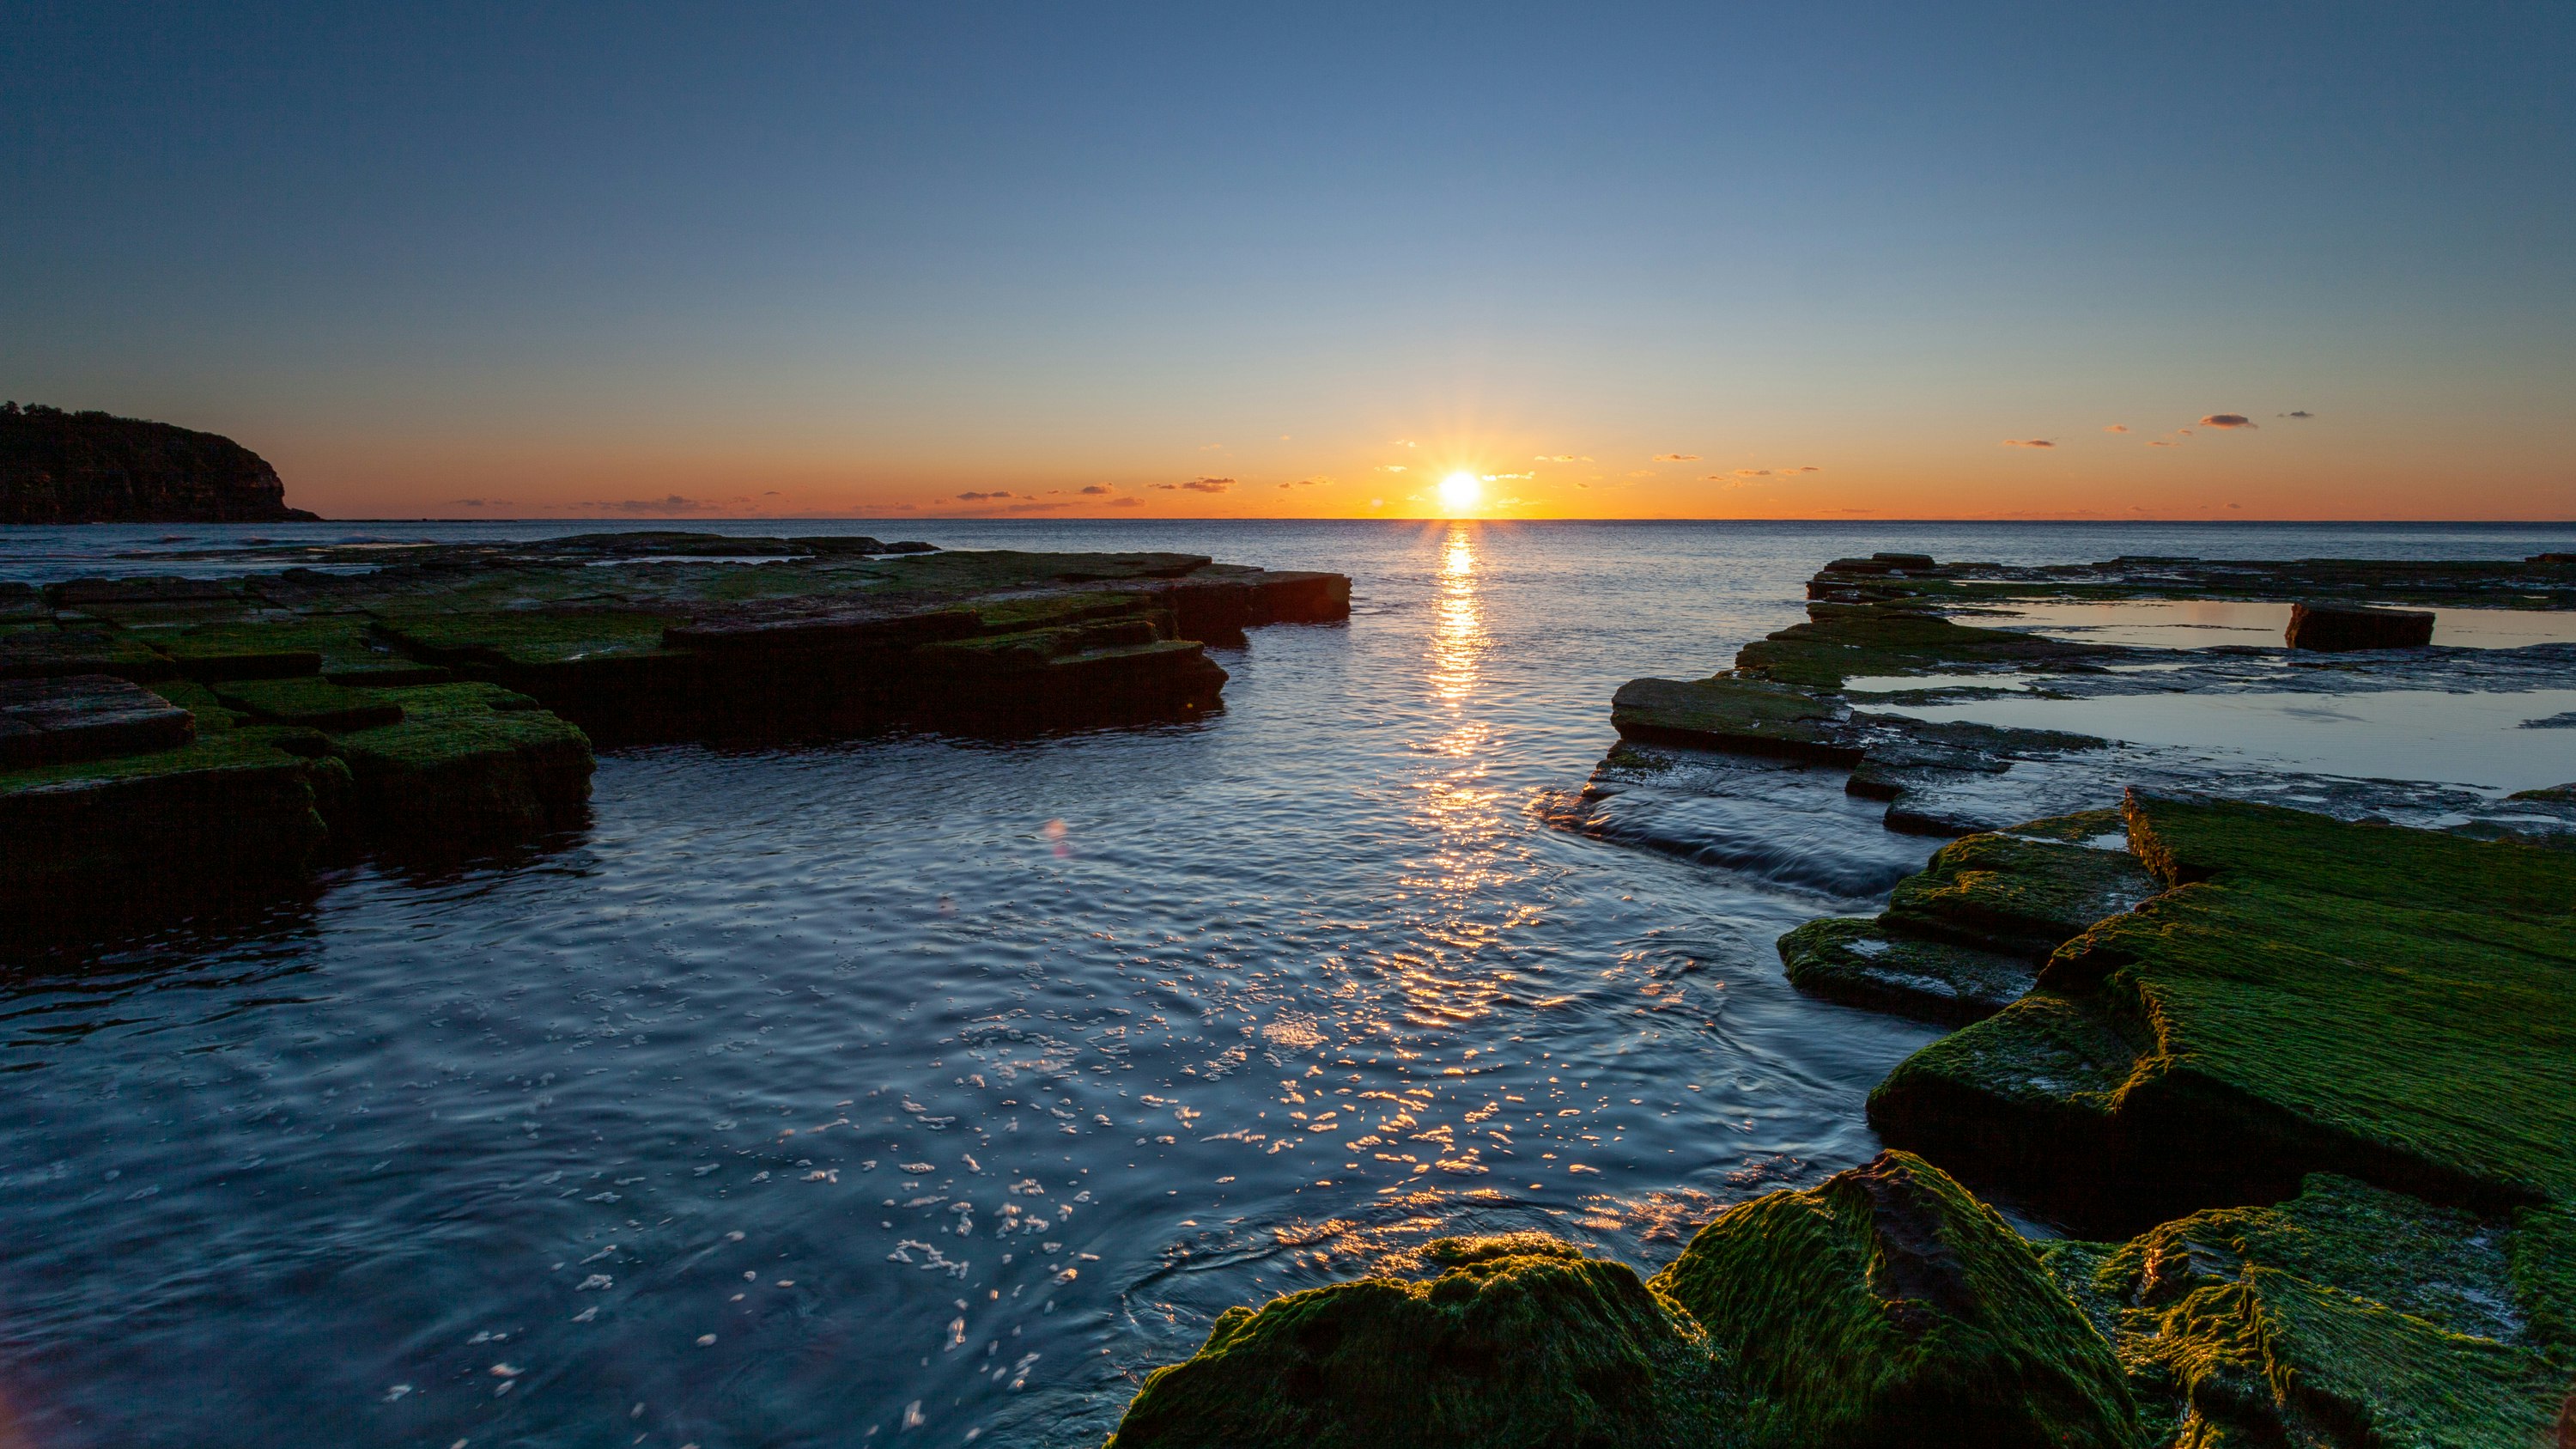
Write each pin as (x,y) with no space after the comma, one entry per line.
(942,260)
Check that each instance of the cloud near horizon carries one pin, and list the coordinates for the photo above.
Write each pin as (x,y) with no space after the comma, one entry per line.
(1677,457)
(980,497)
(1560,458)
(658,507)
(2228,420)
(2115,427)
(2028,443)
(2293,413)
(1096,490)
(1198,485)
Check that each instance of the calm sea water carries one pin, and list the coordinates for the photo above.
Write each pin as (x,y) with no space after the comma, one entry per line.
(920,1090)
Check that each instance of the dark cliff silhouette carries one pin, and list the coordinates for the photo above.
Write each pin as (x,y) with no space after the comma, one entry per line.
(60,467)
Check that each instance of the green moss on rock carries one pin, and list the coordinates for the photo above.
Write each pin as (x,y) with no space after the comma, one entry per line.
(311,701)
(2347,1316)
(1888,1307)
(134,833)
(1860,963)
(2027,890)
(2386,1003)
(1732,714)
(527,636)
(1518,1345)
(1845,640)
(474,757)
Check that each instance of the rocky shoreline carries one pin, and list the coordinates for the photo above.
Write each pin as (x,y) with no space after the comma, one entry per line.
(178,742)
(2299,1084)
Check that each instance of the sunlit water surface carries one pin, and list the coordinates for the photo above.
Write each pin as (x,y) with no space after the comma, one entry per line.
(930,1091)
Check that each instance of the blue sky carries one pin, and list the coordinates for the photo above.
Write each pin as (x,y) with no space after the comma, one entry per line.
(860,259)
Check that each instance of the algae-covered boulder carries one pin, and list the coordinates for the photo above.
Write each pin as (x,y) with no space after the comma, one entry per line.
(1888,1307)
(2310,995)
(1523,1343)
(2347,1316)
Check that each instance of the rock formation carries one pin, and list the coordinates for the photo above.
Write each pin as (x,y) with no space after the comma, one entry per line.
(90,467)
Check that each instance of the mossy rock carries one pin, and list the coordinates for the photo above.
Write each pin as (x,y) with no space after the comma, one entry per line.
(1962,938)
(1888,1307)
(526,636)
(2023,891)
(49,652)
(469,757)
(1841,641)
(342,646)
(2390,1004)
(311,701)
(2346,1316)
(1530,1345)
(233,812)
(1860,963)
(1732,714)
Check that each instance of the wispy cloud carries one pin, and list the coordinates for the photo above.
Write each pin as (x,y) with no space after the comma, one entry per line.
(2162,443)
(2227,420)
(1096,490)
(1560,458)
(2294,413)
(1390,467)
(1405,443)
(2115,427)
(2028,443)
(981,497)
(1198,485)
(659,507)
(1677,457)
(478,503)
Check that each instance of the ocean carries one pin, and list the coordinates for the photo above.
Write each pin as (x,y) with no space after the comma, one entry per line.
(935,1090)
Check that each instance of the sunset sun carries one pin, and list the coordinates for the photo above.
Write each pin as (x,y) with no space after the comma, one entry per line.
(1460,492)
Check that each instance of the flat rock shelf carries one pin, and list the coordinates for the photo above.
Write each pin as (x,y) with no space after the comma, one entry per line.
(167,741)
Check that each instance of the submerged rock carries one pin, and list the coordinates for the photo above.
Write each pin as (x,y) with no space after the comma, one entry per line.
(2354,626)
(1889,1309)
(1522,1343)
(2306,995)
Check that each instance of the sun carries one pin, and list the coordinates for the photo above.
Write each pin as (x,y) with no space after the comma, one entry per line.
(1460,492)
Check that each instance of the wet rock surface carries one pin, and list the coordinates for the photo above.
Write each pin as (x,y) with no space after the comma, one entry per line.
(2331,628)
